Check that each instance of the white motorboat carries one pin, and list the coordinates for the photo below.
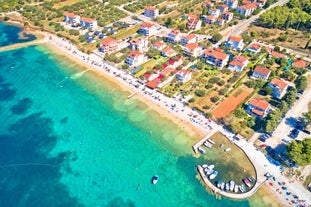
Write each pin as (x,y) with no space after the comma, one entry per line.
(155,179)
(213,175)
(231,183)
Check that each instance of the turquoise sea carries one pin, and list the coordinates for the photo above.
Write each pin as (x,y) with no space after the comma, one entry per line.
(73,139)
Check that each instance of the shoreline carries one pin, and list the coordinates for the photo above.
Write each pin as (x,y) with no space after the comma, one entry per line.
(182,121)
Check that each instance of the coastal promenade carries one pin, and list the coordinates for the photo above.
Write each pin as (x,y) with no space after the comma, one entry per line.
(226,194)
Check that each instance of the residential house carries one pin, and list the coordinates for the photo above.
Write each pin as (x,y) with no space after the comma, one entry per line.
(135,58)
(153,83)
(151,12)
(222,8)
(216,57)
(183,75)
(168,52)
(192,50)
(71,18)
(238,63)
(220,21)
(254,47)
(88,23)
(258,107)
(147,29)
(175,62)
(261,72)
(159,45)
(279,87)
(167,71)
(138,44)
(109,45)
(174,36)
(227,16)
(232,4)
(300,64)
(209,19)
(191,38)
(214,12)
(193,22)
(247,10)
(277,54)
(207,4)
(235,42)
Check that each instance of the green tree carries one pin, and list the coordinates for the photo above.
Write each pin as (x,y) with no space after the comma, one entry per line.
(301,83)
(216,37)
(307,118)
(168,22)
(199,92)
(283,106)
(300,152)
(152,52)
(82,38)
(267,90)
(290,97)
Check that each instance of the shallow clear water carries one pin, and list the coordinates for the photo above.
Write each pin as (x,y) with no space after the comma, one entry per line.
(10,34)
(75,140)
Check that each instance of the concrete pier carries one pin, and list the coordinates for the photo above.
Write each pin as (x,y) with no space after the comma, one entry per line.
(201,142)
(20,45)
(216,190)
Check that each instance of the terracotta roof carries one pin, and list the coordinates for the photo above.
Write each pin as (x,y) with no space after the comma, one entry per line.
(240,58)
(136,41)
(183,72)
(192,46)
(235,38)
(109,41)
(167,71)
(210,17)
(88,20)
(159,44)
(259,103)
(71,15)
(135,54)
(258,112)
(300,63)
(190,36)
(249,6)
(227,13)
(216,54)
(192,16)
(223,6)
(208,3)
(235,62)
(262,70)
(255,46)
(152,8)
(280,83)
(246,2)
(152,84)
(175,32)
(277,54)
(147,24)
(169,51)
(220,19)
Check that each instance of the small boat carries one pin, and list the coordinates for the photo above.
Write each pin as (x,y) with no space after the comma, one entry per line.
(236,188)
(213,175)
(207,144)
(227,187)
(211,167)
(205,165)
(208,171)
(221,146)
(211,141)
(155,179)
(251,180)
(246,181)
(231,183)
(227,149)
(201,150)
(242,188)
(222,187)
(219,183)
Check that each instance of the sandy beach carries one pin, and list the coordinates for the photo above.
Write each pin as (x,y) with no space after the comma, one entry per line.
(192,122)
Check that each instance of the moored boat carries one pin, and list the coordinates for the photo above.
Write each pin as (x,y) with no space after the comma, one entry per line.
(227,187)
(207,144)
(231,183)
(251,180)
(236,188)
(211,141)
(242,188)
(227,149)
(219,182)
(213,175)
(155,179)
(205,165)
(222,187)
(246,181)
(201,150)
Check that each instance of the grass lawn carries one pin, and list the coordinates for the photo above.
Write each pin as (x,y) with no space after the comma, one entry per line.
(126,32)
(146,66)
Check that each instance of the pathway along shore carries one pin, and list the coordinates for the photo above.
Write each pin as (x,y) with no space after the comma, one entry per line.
(226,194)
(24,44)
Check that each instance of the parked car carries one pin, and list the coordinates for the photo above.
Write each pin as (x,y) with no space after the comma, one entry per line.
(294,133)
